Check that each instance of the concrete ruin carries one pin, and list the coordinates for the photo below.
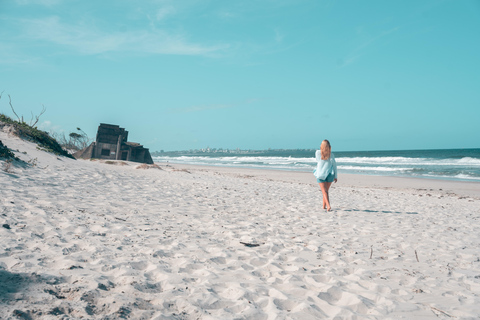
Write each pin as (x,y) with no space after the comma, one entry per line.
(111,144)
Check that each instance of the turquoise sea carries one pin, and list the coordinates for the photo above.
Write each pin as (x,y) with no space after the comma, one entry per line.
(451,164)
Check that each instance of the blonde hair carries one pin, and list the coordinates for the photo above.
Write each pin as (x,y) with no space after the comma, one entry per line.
(325,150)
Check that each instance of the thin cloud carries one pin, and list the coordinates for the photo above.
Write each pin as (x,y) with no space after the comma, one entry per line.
(164,12)
(360,50)
(86,39)
(278,36)
(226,15)
(10,55)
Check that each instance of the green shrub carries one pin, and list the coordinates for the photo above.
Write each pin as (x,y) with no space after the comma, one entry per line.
(25,131)
(5,152)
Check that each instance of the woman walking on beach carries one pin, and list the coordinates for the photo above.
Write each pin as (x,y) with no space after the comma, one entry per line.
(326,171)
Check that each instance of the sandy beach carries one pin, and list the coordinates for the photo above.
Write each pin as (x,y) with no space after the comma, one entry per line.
(118,240)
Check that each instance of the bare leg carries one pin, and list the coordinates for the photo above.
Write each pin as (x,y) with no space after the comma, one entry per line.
(325,186)
(324,204)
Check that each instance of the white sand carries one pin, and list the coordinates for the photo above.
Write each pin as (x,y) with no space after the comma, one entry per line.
(91,240)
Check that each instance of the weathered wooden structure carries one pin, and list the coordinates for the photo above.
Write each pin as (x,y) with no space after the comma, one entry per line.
(111,144)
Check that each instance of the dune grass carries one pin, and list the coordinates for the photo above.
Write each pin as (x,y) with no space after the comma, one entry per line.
(27,132)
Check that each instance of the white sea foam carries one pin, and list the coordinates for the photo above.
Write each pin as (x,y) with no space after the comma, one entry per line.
(466,168)
(373,168)
(360,160)
(455,177)
(411,161)
(273,162)
(469,161)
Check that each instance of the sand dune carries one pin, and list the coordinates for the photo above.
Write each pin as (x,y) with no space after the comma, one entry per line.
(92,240)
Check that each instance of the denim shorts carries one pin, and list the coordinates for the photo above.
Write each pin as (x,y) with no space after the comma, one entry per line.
(329,178)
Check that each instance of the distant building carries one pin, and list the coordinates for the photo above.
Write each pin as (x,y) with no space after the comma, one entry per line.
(111,144)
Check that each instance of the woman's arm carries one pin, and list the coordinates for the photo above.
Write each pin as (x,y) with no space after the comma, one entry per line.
(334,168)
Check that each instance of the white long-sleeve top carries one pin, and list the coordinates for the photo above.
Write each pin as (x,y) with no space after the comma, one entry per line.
(325,167)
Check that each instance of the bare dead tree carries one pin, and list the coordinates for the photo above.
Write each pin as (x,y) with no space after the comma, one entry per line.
(37,117)
(34,119)
(11,106)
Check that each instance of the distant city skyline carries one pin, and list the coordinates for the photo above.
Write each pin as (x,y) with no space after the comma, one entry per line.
(311,151)
(182,75)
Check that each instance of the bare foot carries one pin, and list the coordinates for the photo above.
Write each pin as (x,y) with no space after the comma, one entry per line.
(329,209)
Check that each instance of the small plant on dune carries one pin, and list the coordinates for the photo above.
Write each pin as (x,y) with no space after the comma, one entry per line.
(148,166)
(117,163)
(7,166)
(33,162)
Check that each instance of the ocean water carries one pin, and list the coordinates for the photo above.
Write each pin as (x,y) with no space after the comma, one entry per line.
(450,164)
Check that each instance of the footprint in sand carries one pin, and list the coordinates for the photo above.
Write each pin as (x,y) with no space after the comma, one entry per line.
(332,295)
(286,305)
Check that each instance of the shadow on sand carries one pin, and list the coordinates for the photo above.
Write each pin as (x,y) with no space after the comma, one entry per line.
(375,211)
(12,284)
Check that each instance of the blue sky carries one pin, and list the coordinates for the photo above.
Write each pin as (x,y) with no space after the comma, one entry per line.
(254,74)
